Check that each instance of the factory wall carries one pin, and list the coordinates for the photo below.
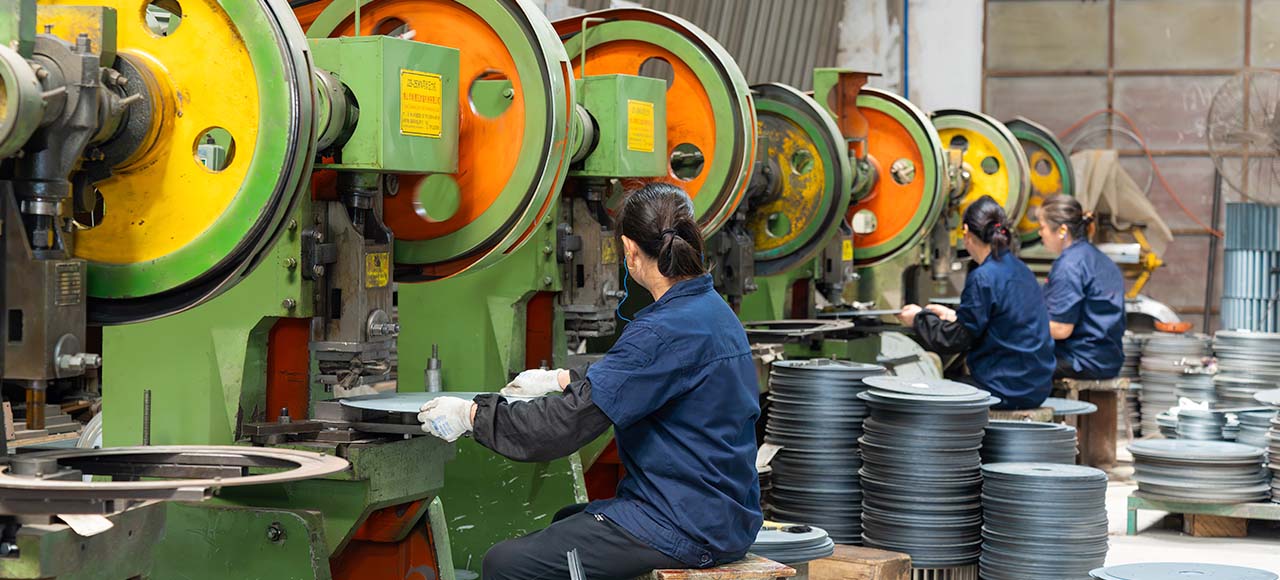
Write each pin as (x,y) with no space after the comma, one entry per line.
(1158,61)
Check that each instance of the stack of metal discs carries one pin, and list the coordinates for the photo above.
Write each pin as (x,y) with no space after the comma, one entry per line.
(921,477)
(1273,457)
(1024,441)
(1130,370)
(1201,425)
(1209,471)
(765,475)
(1042,520)
(816,417)
(1248,362)
(1163,570)
(792,545)
(1253,427)
(1198,387)
(1165,359)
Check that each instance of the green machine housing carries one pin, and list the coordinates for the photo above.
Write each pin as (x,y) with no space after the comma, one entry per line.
(208,366)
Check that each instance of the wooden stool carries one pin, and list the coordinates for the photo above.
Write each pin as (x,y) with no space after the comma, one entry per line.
(1096,431)
(1038,415)
(752,567)
(859,563)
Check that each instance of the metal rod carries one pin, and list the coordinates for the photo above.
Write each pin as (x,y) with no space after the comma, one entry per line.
(1213,253)
(146,417)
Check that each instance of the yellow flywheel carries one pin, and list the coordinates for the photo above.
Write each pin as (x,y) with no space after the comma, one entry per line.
(216,151)
(992,159)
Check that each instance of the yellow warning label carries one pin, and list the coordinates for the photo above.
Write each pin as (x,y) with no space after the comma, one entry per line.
(846,251)
(608,251)
(640,126)
(377,269)
(421,104)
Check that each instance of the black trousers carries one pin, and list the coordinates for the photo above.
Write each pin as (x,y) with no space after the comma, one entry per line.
(607,551)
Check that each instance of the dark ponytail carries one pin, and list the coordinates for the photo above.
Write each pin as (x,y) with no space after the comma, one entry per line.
(1064,210)
(659,218)
(986,220)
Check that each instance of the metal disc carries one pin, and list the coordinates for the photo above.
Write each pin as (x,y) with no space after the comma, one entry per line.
(511,165)
(1050,171)
(929,387)
(410,402)
(1194,451)
(708,101)
(909,194)
(1271,397)
(1167,570)
(1069,406)
(159,249)
(802,146)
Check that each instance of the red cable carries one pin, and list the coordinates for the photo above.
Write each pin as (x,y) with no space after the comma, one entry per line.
(1146,151)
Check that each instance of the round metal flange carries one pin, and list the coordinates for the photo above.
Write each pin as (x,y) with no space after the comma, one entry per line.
(909,193)
(285,465)
(511,163)
(158,248)
(1050,171)
(993,159)
(1062,406)
(708,101)
(802,146)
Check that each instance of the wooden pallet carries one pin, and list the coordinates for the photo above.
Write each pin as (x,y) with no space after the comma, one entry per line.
(1202,519)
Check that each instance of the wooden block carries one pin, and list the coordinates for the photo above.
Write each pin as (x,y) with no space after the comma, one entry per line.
(8,422)
(752,567)
(1039,415)
(1207,526)
(1097,432)
(858,563)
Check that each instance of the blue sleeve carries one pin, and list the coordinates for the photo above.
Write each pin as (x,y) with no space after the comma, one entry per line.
(975,305)
(634,379)
(1064,292)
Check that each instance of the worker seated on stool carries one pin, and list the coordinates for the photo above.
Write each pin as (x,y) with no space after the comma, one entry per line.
(1085,295)
(679,389)
(1001,321)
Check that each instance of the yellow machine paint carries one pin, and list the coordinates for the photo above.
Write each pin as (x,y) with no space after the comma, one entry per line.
(140,224)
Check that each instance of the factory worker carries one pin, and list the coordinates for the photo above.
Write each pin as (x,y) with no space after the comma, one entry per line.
(679,389)
(1084,294)
(1001,322)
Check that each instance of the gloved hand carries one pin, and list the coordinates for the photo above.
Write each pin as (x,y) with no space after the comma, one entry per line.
(534,383)
(446,417)
(946,314)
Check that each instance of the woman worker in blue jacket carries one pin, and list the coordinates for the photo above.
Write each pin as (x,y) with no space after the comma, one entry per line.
(679,389)
(1084,294)
(1001,321)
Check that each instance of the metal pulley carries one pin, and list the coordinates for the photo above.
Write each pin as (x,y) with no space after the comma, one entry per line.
(809,179)
(184,193)
(1050,171)
(908,194)
(516,90)
(710,123)
(992,159)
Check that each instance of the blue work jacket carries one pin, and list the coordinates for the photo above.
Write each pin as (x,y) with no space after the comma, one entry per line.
(680,388)
(1086,289)
(1003,309)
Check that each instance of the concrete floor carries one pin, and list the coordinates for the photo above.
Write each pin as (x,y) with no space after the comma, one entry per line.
(1157,543)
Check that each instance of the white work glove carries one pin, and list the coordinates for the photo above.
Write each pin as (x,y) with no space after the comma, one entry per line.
(446,417)
(534,383)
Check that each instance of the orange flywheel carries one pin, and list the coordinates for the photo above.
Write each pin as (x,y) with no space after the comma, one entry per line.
(515,94)
(909,193)
(711,123)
